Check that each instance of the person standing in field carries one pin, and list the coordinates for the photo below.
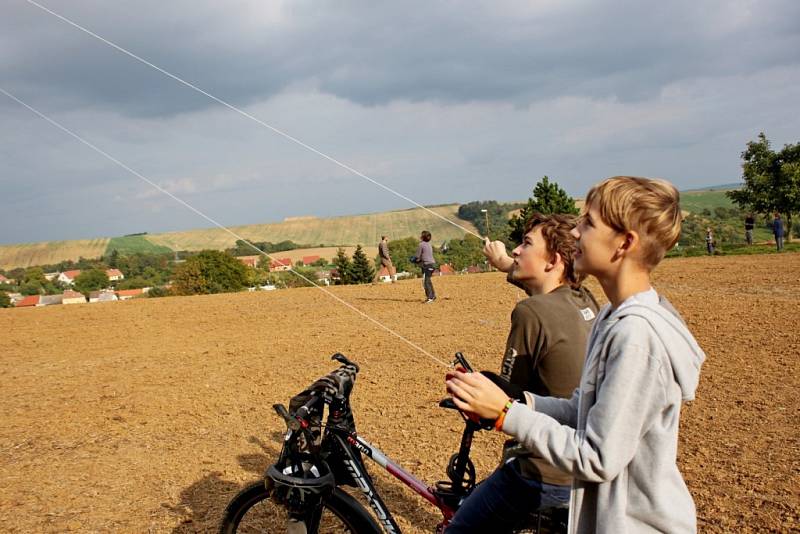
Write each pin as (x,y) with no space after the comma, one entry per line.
(777,231)
(424,257)
(618,433)
(544,355)
(749,224)
(386,259)
(710,241)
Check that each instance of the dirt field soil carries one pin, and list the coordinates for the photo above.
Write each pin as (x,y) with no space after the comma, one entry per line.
(148,416)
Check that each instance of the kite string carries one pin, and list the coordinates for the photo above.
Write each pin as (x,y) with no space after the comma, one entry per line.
(219,225)
(249,116)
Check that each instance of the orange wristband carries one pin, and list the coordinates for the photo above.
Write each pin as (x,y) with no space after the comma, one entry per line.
(498,423)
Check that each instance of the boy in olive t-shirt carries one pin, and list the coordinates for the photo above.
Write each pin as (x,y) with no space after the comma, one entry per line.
(544,354)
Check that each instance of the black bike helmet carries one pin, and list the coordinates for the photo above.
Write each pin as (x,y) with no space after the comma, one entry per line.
(296,483)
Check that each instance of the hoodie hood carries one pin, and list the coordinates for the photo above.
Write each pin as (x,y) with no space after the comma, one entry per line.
(685,354)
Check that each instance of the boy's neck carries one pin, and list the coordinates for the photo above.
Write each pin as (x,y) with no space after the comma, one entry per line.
(624,283)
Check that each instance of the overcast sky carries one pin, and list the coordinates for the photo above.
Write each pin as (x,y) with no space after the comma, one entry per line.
(442,101)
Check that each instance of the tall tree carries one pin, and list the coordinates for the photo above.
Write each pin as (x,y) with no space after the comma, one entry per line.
(548,197)
(5,300)
(771,180)
(361,272)
(343,266)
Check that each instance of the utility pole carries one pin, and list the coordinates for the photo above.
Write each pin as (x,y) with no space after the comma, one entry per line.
(486,213)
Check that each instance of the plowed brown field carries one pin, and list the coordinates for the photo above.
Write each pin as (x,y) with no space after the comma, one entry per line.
(148,416)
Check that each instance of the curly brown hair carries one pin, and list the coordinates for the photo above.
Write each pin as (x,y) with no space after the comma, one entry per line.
(556,231)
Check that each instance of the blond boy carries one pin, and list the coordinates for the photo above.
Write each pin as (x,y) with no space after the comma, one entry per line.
(618,434)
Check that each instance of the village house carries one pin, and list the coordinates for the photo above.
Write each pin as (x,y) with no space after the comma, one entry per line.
(4,280)
(51,276)
(127,294)
(50,300)
(104,295)
(250,261)
(114,275)
(72,297)
(445,269)
(68,277)
(281,264)
(308,260)
(26,302)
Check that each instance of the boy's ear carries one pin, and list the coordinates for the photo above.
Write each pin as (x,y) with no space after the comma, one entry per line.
(630,241)
(554,262)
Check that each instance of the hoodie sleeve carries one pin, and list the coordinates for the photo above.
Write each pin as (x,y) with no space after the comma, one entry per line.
(564,411)
(629,396)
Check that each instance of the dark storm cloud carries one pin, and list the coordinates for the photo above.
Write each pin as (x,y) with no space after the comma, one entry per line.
(373,53)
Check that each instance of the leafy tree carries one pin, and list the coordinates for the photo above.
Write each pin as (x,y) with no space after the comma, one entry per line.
(5,300)
(547,198)
(210,271)
(157,292)
(91,280)
(461,253)
(113,259)
(401,250)
(30,288)
(496,213)
(343,266)
(771,180)
(361,272)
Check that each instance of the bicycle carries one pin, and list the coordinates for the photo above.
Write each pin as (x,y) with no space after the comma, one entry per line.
(301,493)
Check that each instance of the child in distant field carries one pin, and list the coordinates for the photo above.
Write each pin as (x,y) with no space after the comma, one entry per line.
(710,241)
(618,434)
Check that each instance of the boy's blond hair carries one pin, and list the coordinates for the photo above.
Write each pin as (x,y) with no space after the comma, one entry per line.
(647,206)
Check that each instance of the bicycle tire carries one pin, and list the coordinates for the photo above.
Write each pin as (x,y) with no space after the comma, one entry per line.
(341,513)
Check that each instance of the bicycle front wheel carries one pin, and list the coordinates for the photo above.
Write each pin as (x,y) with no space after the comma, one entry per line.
(252,511)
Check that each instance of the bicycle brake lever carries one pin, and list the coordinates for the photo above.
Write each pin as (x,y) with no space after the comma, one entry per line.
(291,422)
(461,360)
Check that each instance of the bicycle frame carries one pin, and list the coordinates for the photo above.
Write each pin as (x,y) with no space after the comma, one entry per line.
(348,441)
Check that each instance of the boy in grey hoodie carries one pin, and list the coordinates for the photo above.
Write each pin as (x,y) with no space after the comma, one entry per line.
(618,434)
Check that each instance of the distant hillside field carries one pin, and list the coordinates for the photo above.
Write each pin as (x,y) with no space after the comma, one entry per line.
(135,243)
(697,201)
(353,230)
(347,231)
(49,252)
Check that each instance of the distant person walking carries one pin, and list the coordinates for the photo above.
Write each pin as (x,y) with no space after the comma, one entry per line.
(710,241)
(777,231)
(424,257)
(749,224)
(386,259)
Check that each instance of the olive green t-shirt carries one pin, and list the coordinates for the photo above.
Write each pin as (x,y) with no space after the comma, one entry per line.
(544,355)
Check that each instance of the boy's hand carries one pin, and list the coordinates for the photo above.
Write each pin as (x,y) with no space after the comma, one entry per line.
(475,393)
(495,252)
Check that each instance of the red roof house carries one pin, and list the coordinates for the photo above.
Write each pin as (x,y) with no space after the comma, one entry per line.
(281,264)
(126,294)
(446,269)
(32,300)
(68,277)
(250,261)
(4,280)
(308,260)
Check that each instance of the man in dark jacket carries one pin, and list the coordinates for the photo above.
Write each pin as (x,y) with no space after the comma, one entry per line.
(777,231)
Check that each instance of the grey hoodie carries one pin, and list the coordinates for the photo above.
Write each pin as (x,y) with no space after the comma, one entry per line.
(618,434)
